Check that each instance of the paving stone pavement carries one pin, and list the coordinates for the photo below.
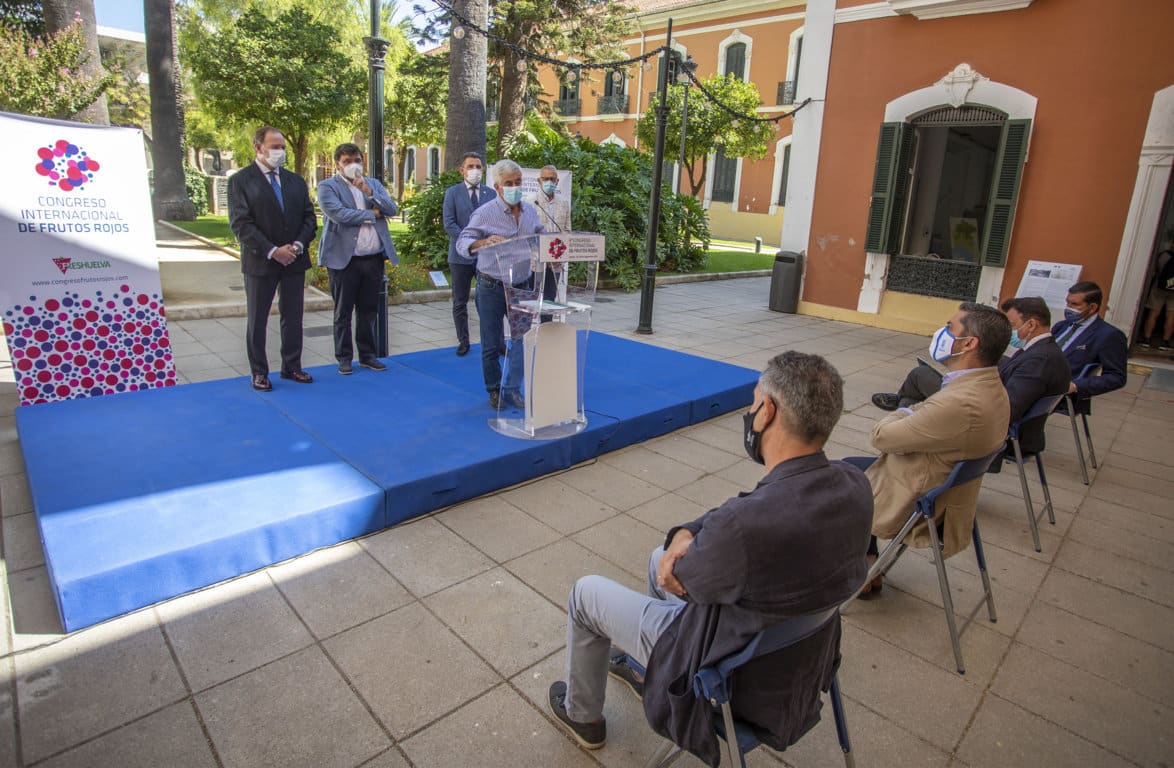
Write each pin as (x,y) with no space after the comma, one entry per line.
(433,643)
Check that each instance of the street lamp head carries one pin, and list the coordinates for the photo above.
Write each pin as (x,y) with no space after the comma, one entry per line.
(458,32)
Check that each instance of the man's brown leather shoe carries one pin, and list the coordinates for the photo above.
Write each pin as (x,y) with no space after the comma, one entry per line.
(261,383)
(300,377)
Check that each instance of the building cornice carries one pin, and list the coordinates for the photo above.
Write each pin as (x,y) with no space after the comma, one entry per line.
(709,10)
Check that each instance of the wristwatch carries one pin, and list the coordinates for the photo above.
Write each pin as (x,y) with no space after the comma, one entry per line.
(297,249)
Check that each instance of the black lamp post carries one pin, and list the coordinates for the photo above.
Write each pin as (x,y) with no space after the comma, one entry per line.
(648,284)
(376,50)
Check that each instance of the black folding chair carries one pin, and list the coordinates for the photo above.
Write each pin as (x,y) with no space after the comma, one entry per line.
(923,509)
(715,685)
(1040,410)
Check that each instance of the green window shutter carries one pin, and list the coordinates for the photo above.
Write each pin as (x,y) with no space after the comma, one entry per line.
(901,178)
(1005,192)
(880,209)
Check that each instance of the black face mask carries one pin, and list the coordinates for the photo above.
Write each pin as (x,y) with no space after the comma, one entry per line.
(752,439)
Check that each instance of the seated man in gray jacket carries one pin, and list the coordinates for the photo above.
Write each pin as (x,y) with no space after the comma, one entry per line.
(793,545)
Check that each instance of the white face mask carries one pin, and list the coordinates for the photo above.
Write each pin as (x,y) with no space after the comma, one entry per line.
(473,175)
(275,157)
(941,346)
(352,171)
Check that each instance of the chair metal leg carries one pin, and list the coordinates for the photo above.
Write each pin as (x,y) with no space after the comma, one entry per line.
(732,748)
(980,556)
(947,597)
(664,755)
(885,560)
(1092,454)
(841,723)
(1026,495)
(1076,436)
(1043,479)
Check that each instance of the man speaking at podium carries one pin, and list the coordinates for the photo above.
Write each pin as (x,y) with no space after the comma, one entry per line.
(502,218)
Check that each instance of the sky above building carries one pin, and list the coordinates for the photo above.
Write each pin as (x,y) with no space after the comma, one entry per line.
(122,14)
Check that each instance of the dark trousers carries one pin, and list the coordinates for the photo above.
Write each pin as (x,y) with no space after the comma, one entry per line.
(921,382)
(259,290)
(355,289)
(492,309)
(462,284)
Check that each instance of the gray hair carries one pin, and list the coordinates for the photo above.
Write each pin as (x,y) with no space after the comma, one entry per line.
(505,167)
(808,392)
(548,168)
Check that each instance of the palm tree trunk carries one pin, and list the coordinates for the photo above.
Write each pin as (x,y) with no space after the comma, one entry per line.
(465,128)
(171,198)
(59,14)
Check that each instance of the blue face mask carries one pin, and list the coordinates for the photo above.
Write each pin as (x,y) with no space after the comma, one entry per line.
(1072,316)
(512,195)
(1017,342)
(549,187)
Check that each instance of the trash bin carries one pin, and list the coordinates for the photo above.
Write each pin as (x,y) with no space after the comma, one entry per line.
(785,281)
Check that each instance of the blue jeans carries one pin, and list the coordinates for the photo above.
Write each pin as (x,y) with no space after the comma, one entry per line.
(491,308)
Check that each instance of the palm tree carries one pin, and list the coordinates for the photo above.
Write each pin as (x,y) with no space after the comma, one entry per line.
(60,14)
(171,198)
(466,86)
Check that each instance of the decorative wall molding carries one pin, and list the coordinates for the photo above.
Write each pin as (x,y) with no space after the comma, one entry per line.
(867,12)
(973,88)
(959,82)
(941,9)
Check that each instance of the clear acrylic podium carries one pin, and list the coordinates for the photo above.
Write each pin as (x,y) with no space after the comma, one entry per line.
(549,283)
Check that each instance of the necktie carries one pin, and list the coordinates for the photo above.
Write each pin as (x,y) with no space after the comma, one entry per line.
(1066,336)
(473,197)
(276,189)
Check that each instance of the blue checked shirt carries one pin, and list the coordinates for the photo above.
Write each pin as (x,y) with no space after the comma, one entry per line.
(496,218)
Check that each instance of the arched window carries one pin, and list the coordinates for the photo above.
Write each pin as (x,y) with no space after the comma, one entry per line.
(736,60)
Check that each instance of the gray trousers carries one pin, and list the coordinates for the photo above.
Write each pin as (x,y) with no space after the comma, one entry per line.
(601,612)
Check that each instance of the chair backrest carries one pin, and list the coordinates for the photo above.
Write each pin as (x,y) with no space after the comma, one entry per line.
(1041,408)
(963,473)
(712,683)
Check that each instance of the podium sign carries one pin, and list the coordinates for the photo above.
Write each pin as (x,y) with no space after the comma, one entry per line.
(570,246)
(81,301)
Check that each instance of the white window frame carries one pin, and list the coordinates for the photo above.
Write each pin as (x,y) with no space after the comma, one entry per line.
(776,179)
(737,36)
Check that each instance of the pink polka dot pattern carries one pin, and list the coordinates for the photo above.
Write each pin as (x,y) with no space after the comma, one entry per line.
(82,346)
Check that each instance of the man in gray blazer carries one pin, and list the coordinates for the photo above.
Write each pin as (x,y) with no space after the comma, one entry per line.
(355,243)
(460,200)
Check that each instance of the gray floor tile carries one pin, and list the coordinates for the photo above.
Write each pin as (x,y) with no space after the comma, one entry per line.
(560,506)
(501,618)
(389,759)
(1126,613)
(1106,513)
(664,512)
(297,711)
(905,689)
(704,457)
(15,498)
(335,589)
(91,682)
(170,737)
(409,668)
(1101,651)
(498,729)
(8,756)
(231,628)
(1123,573)
(554,569)
(623,541)
(652,467)
(1147,547)
(710,491)
(1101,711)
(22,542)
(612,486)
(35,620)
(1004,734)
(425,556)
(497,527)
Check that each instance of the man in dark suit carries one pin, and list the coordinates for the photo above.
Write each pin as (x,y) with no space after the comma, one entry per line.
(1037,368)
(460,200)
(1087,339)
(272,217)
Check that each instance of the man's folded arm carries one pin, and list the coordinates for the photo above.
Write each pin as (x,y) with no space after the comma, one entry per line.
(713,570)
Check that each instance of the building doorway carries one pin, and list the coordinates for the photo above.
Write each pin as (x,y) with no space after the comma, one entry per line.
(1149,336)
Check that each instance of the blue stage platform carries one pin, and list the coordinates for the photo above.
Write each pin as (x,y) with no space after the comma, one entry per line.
(147,495)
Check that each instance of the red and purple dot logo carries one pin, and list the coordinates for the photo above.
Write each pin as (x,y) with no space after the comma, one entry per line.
(66,165)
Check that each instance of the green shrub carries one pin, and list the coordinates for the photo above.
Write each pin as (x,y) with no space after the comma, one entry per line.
(197,188)
(426,239)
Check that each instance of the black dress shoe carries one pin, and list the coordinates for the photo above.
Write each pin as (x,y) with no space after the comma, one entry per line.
(886,401)
(494,400)
(374,364)
(346,368)
(462,349)
(300,377)
(261,382)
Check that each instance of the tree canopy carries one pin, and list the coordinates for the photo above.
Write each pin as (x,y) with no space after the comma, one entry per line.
(288,71)
(709,127)
(416,94)
(44,75)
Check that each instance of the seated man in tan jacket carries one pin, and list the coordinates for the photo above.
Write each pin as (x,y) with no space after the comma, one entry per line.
(966,419)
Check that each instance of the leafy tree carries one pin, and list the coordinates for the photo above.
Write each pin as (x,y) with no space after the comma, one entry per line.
(64,14)
(170,196)
(46,76)
(287,71)
(709,126)
(611,189)
(127,97)
(412,118)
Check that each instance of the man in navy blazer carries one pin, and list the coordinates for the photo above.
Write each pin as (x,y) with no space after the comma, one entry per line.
(1087,339)
(270,213)
(1037,369)
(355,243)
(460,200)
